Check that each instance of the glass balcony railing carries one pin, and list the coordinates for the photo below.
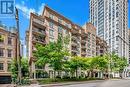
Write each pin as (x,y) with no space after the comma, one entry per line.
(38,21)
(40,31)
(39,39)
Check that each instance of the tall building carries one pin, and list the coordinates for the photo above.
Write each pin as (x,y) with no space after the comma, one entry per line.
(46,27)
(8,41)
(129,46)
(110,17)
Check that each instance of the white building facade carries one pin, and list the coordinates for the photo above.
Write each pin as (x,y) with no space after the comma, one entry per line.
(110,17)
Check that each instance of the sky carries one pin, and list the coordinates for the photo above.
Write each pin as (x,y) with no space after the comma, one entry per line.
(76,10)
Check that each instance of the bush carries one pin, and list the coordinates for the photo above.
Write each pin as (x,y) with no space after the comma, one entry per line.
(25,81)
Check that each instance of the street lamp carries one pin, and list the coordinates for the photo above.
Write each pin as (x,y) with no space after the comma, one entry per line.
(18,47)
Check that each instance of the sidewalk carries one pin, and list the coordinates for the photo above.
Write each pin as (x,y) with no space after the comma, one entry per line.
(62,84)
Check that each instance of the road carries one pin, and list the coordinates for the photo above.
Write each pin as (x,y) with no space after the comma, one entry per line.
(108,83)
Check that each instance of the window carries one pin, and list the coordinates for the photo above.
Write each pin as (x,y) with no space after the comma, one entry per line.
(51,16)
(51,39)
(51,32)
(1,39)
(59,29)
(9,40)
(1,66)
(51,25)
(1,52)
(59,20)
(9,53)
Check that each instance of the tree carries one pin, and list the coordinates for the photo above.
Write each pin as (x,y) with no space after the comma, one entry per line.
(42,54)
(58,54)
(117,64)
(14,69)
(24,67)
(76,63)
(52,54)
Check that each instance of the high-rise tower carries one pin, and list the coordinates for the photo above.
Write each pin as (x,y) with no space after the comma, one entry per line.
(110,17)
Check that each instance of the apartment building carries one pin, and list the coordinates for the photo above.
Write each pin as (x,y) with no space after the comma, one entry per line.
(110,17)
(7,53)
(101,47)
(129,47)
(45,28)
(91,39)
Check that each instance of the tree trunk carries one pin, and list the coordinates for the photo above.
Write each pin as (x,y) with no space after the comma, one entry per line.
(54,74)
(77,73)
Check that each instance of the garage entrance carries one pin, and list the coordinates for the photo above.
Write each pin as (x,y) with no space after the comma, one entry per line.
(5,79)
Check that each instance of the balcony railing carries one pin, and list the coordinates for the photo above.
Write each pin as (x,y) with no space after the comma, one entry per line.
(83,52)
(75,38)
(75,50)
(83,46)
(39,40)
(36,30)
(38,21)
(83,41)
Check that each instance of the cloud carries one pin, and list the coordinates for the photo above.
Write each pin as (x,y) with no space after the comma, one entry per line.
(26,11)
(40,10)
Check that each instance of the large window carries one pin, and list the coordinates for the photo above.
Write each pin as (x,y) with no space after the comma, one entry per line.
(9,40)
(51,25)
(1,39)
(59,20)
(51,32)
(59,29)
(51,16)
(1,52)
(9,53)
(51,39)
(1,66)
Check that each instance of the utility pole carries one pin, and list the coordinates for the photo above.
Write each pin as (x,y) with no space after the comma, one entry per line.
(18,47)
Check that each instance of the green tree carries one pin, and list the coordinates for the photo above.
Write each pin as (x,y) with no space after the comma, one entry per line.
(14,70)
(76,63)
(42,54)
(58,54)
(52,54)
(24,67)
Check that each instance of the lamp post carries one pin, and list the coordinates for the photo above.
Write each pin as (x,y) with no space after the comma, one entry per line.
(18,47)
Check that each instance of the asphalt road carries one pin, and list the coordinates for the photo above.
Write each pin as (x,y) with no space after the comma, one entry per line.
(108,83)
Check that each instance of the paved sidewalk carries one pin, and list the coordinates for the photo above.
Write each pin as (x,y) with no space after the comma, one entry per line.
(63,84)
(6,85)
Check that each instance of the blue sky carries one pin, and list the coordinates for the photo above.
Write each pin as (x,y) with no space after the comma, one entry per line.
(76,10)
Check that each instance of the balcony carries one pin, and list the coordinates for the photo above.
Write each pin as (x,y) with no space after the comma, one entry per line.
(39,39)
(38,22)
(83,53)
(83,47)
(75,38)
(76,50)
(39,31)
(83,41)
